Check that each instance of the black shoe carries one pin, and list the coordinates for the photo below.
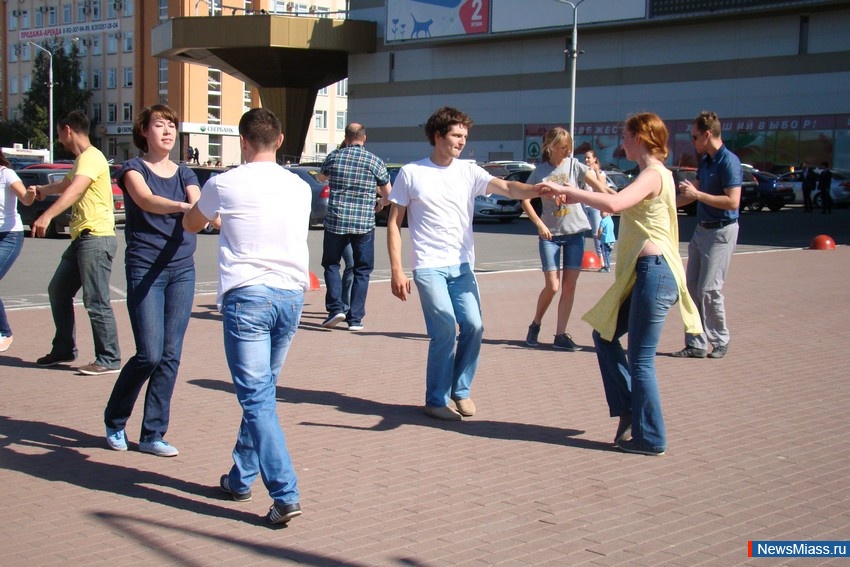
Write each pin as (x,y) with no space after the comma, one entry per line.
(631,447)
(689,352)
(533,332)
(624,428)
(51,359)
(224,484)
(565,342)
(719,351)
(282,513)
(333,320)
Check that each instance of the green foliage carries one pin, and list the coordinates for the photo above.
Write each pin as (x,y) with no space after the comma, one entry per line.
(67,95)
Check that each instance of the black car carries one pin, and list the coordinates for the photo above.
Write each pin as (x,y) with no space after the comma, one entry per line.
(382,216)
(204,174)
(29,213)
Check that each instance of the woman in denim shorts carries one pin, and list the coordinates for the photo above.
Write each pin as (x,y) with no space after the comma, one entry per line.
(561,228)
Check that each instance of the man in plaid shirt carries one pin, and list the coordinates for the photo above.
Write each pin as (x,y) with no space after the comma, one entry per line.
(353,174)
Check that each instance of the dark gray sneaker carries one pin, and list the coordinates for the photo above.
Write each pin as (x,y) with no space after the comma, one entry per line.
(719,351)
(565,342)
(282,513)
(533,332)
(689,352)
(224,484)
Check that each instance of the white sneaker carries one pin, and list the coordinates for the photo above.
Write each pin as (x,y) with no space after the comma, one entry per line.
(5,343)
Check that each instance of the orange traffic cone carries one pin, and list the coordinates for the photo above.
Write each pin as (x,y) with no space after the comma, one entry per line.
(314,282)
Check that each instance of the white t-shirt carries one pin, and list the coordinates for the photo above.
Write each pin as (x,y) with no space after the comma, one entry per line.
(265,217)
(10,220)
(440,203)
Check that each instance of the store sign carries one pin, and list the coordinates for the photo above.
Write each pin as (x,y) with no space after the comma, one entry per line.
(72,30)
(209,129)
(117,130)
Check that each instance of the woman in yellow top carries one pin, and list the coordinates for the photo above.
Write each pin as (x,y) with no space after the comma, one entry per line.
(649,280)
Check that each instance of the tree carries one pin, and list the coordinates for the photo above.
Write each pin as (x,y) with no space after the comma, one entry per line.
(67,94)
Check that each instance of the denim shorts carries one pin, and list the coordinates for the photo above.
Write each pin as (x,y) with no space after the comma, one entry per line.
(550,252)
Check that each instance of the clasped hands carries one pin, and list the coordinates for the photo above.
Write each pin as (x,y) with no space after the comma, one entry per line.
(559,193)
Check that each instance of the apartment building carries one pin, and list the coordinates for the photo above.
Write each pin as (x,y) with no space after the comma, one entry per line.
(113,37)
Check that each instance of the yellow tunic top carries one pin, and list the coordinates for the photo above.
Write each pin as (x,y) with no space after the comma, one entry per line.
(650,220)
(93,211)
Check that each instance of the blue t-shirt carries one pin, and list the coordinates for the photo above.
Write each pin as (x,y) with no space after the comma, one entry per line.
(154,239)
(723,171)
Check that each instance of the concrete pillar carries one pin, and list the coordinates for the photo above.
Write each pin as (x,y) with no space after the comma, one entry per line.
(294,107)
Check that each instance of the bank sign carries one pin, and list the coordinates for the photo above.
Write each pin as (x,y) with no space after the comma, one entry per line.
(71,30)
(209,129)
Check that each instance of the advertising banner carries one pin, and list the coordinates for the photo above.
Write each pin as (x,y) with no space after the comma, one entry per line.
(70,30)
(425,19)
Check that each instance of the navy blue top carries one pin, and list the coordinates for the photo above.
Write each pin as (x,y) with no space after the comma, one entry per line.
(723,171)
(155,239)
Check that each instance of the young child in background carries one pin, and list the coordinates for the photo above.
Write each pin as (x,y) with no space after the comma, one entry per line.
(607,238)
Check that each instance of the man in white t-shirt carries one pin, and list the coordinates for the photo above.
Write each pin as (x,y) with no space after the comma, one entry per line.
(438,194)
(263,274)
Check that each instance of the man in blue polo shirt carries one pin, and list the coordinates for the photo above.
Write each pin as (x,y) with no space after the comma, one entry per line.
(718,194)
(354,175)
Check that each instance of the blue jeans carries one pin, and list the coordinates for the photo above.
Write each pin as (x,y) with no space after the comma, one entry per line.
(11,244)
(159,302)
(629,378)
(450,300)
(595,217)
(86,263)
(363,252)
(606,254)
(571,246)
(259,323)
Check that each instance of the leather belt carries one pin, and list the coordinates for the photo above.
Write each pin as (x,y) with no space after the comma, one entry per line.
(717,223)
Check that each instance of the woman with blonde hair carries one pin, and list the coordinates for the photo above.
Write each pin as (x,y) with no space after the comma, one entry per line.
(561,228)
(649,280)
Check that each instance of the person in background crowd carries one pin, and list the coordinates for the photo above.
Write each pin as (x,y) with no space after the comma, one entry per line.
(824,184)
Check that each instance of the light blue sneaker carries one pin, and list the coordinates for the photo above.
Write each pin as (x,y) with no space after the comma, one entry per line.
(159,448)
(116,439)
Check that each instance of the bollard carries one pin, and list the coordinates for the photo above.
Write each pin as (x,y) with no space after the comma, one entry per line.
(590,261)
(822,242)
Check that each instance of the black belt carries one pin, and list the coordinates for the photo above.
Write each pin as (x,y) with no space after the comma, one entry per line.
(717,223)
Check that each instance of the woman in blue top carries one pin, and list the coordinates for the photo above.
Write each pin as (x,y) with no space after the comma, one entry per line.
(160,267)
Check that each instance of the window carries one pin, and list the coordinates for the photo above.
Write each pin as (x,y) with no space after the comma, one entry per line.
(112,146)
(128,42)
(163,78)
(128,8)
(214,148)
(25,52)
(25,20)
(340,119)
(342,88)
(13,84)
(163,10)
(26,82)
(96,48)
(82,83)
(51,16)
(127,112)
(13,20)
(321,150)
(39,19)
(321,119)
(112,78)
(95,10)
(111,10)
(128,77)
(66,14)
(95,79)
(82,12)
(111,112)
(111,44)
(323,91)
(96,113)
(14,50)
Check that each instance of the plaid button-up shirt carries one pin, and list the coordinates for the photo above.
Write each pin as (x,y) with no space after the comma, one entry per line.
(354,174)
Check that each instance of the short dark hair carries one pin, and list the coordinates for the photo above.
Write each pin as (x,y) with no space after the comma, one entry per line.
(260,128)
(442,120)
(707,122)
(77,121)
(143,122)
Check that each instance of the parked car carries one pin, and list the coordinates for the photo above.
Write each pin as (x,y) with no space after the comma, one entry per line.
(382,216)
(50,173)
(205,173)
(617,180)
(839,189)
(320,189)
(771,192)
(795,179)
(681,173)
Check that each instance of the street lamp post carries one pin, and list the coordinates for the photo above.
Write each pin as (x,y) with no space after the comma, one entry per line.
(573,51)
(50,125)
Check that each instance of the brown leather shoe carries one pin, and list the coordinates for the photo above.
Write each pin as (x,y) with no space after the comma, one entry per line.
(465,407)
(445,413)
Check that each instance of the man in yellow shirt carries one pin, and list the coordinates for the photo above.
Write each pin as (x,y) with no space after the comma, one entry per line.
(87,262)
